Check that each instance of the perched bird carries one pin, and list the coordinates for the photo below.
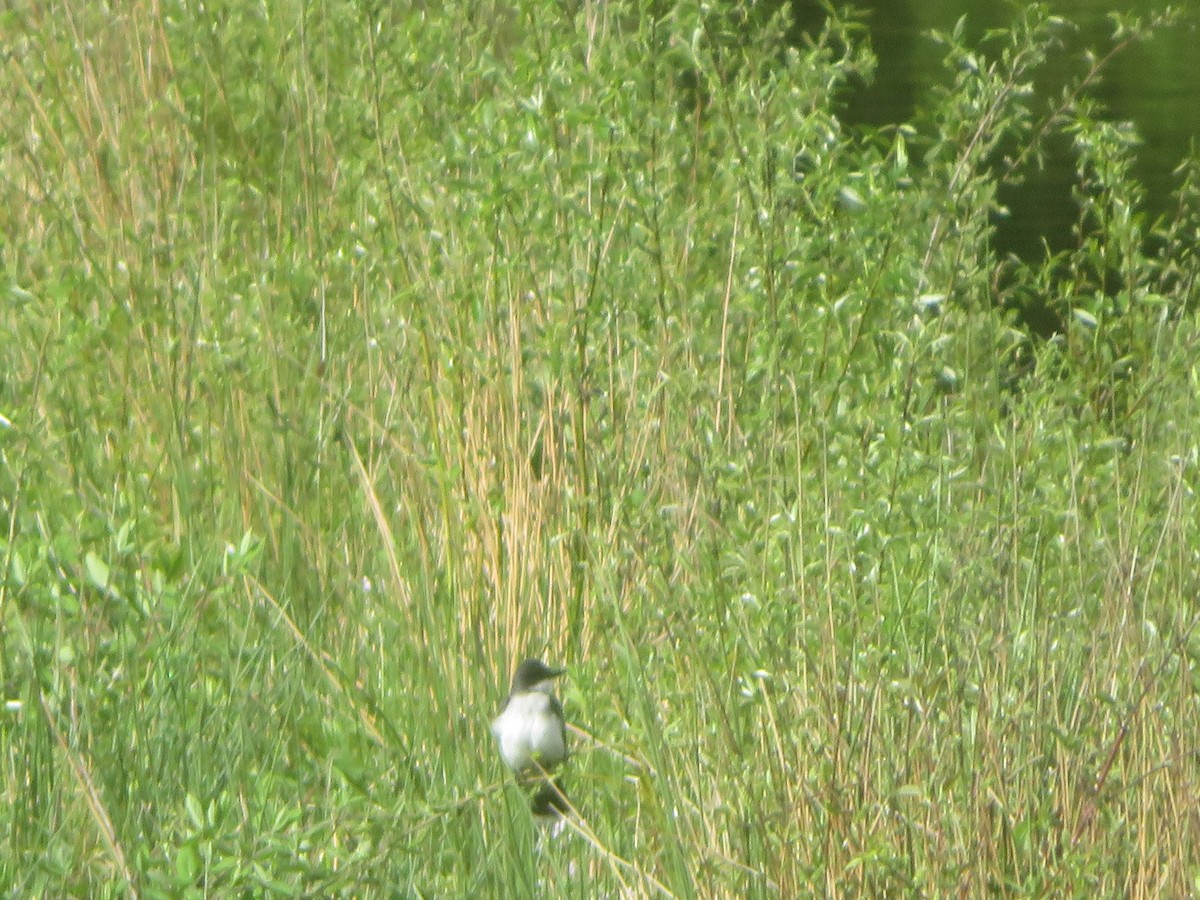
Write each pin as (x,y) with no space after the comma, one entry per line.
(530,728)
(533,739)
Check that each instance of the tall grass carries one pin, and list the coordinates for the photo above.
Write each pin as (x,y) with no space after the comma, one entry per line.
(355,351)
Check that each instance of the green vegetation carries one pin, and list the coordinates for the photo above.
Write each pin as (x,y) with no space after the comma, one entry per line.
(354,350)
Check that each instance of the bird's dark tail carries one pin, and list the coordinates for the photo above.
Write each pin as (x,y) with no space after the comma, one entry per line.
(550,801)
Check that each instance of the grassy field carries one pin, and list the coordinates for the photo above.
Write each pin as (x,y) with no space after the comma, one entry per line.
(355,350)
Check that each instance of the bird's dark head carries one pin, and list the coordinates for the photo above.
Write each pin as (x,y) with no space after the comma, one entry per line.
(532,674)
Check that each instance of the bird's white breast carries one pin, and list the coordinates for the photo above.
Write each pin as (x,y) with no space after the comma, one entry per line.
(529,732)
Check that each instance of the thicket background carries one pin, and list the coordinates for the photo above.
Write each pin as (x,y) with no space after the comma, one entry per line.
(353,351)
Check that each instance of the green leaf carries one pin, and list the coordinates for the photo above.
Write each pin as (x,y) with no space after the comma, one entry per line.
(187,863)
(195,813)
(97,570)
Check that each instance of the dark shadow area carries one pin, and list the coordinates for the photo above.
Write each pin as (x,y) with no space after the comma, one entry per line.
(1156,86)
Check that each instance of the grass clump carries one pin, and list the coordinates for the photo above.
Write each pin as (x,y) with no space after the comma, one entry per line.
(355,351)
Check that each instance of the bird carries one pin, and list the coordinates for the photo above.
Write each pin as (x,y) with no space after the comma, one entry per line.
(530,729)
(532,735)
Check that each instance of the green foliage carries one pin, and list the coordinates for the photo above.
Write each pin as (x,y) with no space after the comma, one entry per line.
(355,350)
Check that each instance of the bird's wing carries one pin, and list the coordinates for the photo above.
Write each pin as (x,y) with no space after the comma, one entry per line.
(556,708)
